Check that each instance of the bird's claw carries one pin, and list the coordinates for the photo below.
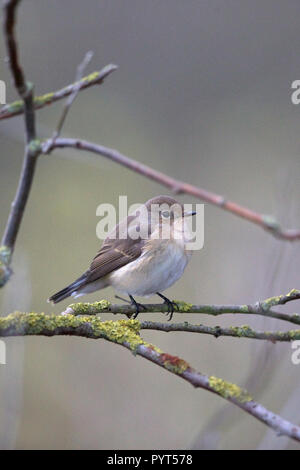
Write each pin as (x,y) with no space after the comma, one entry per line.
(172,306)
(138,307)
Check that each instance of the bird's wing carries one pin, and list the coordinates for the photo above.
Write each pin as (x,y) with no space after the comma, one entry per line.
(114,254)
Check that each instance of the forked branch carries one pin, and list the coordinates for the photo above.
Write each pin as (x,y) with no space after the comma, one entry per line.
(27,105)
(25,90)
(127,334)
(95,78)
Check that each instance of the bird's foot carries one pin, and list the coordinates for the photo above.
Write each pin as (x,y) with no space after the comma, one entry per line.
(122,298)
(138,307)
(172,306)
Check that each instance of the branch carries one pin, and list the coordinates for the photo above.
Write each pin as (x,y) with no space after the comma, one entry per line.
(259,308)
(27,105)
(68,103)
(9,10)
(126,333)
(25,90)
(17,107)
(95,78)
(233,331)
(266,222)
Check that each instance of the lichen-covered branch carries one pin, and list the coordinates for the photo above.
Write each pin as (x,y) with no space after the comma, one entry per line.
(127,334)
(263,308)
(95,78)
(267,222)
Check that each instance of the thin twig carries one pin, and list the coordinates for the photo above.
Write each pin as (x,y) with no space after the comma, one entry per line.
(95,78)
(126,333)
(263,308)
(9,12)
(267,222)
(69,101)
(233,331)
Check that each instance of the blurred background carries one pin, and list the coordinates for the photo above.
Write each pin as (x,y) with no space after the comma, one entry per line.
(203,93)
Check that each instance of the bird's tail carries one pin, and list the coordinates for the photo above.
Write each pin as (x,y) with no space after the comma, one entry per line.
(67,291)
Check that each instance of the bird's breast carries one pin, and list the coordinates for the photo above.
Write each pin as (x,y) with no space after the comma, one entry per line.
(161,263)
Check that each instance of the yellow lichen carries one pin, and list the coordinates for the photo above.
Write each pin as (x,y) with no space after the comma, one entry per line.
(121,331)
(183,306)
(293,292)
(5,254)
(272,301)
(82,308)
(243,330)
(229,390)
(40,100)
(125,332)
(91,77)
(15,106)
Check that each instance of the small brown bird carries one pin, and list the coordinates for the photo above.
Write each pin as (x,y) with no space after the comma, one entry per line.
(145,254)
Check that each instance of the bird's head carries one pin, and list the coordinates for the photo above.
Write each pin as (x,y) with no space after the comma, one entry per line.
(161,212)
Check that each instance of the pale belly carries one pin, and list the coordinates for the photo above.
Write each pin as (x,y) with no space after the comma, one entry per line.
(154,271)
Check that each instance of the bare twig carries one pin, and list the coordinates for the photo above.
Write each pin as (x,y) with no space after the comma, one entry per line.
(267,222)
(126,333)
(9,10)
(263,308)
(233,331)
(80,69)
(95,78)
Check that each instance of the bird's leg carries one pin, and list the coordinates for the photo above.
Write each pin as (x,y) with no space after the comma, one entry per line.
(138,306)
(171,305)
(128,315)
(122,298)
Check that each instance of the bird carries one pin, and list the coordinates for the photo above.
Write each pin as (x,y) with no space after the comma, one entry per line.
(144,254)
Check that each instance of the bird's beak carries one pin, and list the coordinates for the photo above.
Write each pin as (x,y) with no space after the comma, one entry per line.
(188,214)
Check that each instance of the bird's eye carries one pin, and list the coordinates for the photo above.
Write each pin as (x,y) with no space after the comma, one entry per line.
(165,214)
